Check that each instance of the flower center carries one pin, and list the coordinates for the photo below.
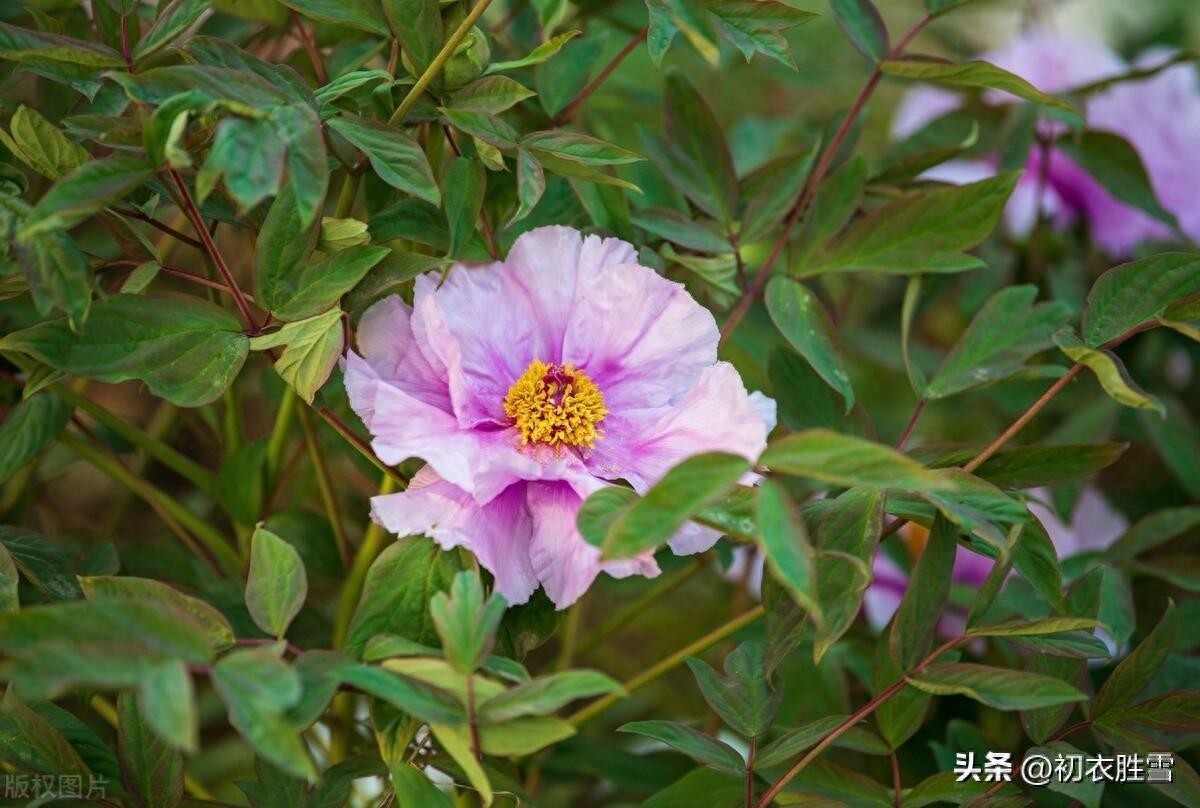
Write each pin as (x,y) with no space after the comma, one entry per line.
(556,405)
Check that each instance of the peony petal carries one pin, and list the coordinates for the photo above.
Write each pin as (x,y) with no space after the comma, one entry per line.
(497,533)
(639,336)
(565,563)
(386,341)
(715,415)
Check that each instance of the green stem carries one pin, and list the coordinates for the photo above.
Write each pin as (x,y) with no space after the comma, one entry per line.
(371,546)
(347,196)
(438,62)
(674,660)
(232,421)
(182,465)
(566,648)
(279,433)
(325,486)
(662,588)
(213,548)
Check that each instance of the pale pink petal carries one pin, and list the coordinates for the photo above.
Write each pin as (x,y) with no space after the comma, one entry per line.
(921,106)
(565,563)
(497,533)
(639,336)
(715,416)
(386,341)
(883,596)
(1094,525)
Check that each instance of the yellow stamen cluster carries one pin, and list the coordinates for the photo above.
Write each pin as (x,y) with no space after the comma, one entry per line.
(555,405)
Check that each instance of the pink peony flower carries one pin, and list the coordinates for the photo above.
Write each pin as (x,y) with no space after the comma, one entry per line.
(1159,116)
(528,384)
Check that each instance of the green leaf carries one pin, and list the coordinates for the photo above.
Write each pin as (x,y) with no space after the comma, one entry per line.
(937,8)
(682,230)
(276,584)
(325,96)
(982,75)
(84,192)
(456,741)
(706,787)
(1115,164)
(577,148)
(743,697)
(925,231)
(1168,713)
(803,321)
(1110,372)
(757,26)
(996,687)
(662,30)
(783,181)
(152,592)
(38,47)
(258,688)
(420,699)
(849,461)
(173,20)
(412,787)
(103,643)
(466,622)
(397,591)
(465,184)
(546,694)
(417,25)
(28,429)
(864,27)
(915,623)
(283,246)
(168,703)
(1134,293)
(540,54)
(305,292)
(523,736)
(788,746)
(698,160)
(492,94)
(1068,645)
(531,184)
(395,156)
(250,156)
(1177,439)
(785,545)
(241,91)
(307,163)
(152,771)
(696,745)
(313,347)
(483,126)
(1153,530)
(1136,671)
(38,745)
(1035,465)
(1029,628)
(9,582)
(341,234)
(1006,332)
(1037,561)
(186,350)
(846,540)
(683,491)
(58,275)
(362,15)
(41,145)
(44,565)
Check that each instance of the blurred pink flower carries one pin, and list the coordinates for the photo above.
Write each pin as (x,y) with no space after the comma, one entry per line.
(525,385)
(1159,116)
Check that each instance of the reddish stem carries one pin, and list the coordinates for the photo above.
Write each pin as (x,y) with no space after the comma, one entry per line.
(570,109)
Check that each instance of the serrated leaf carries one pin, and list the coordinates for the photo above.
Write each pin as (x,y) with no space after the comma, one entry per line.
(1006,332)
(186,350)
(312,349)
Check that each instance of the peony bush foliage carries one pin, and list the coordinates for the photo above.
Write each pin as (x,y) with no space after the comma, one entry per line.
(599,402)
